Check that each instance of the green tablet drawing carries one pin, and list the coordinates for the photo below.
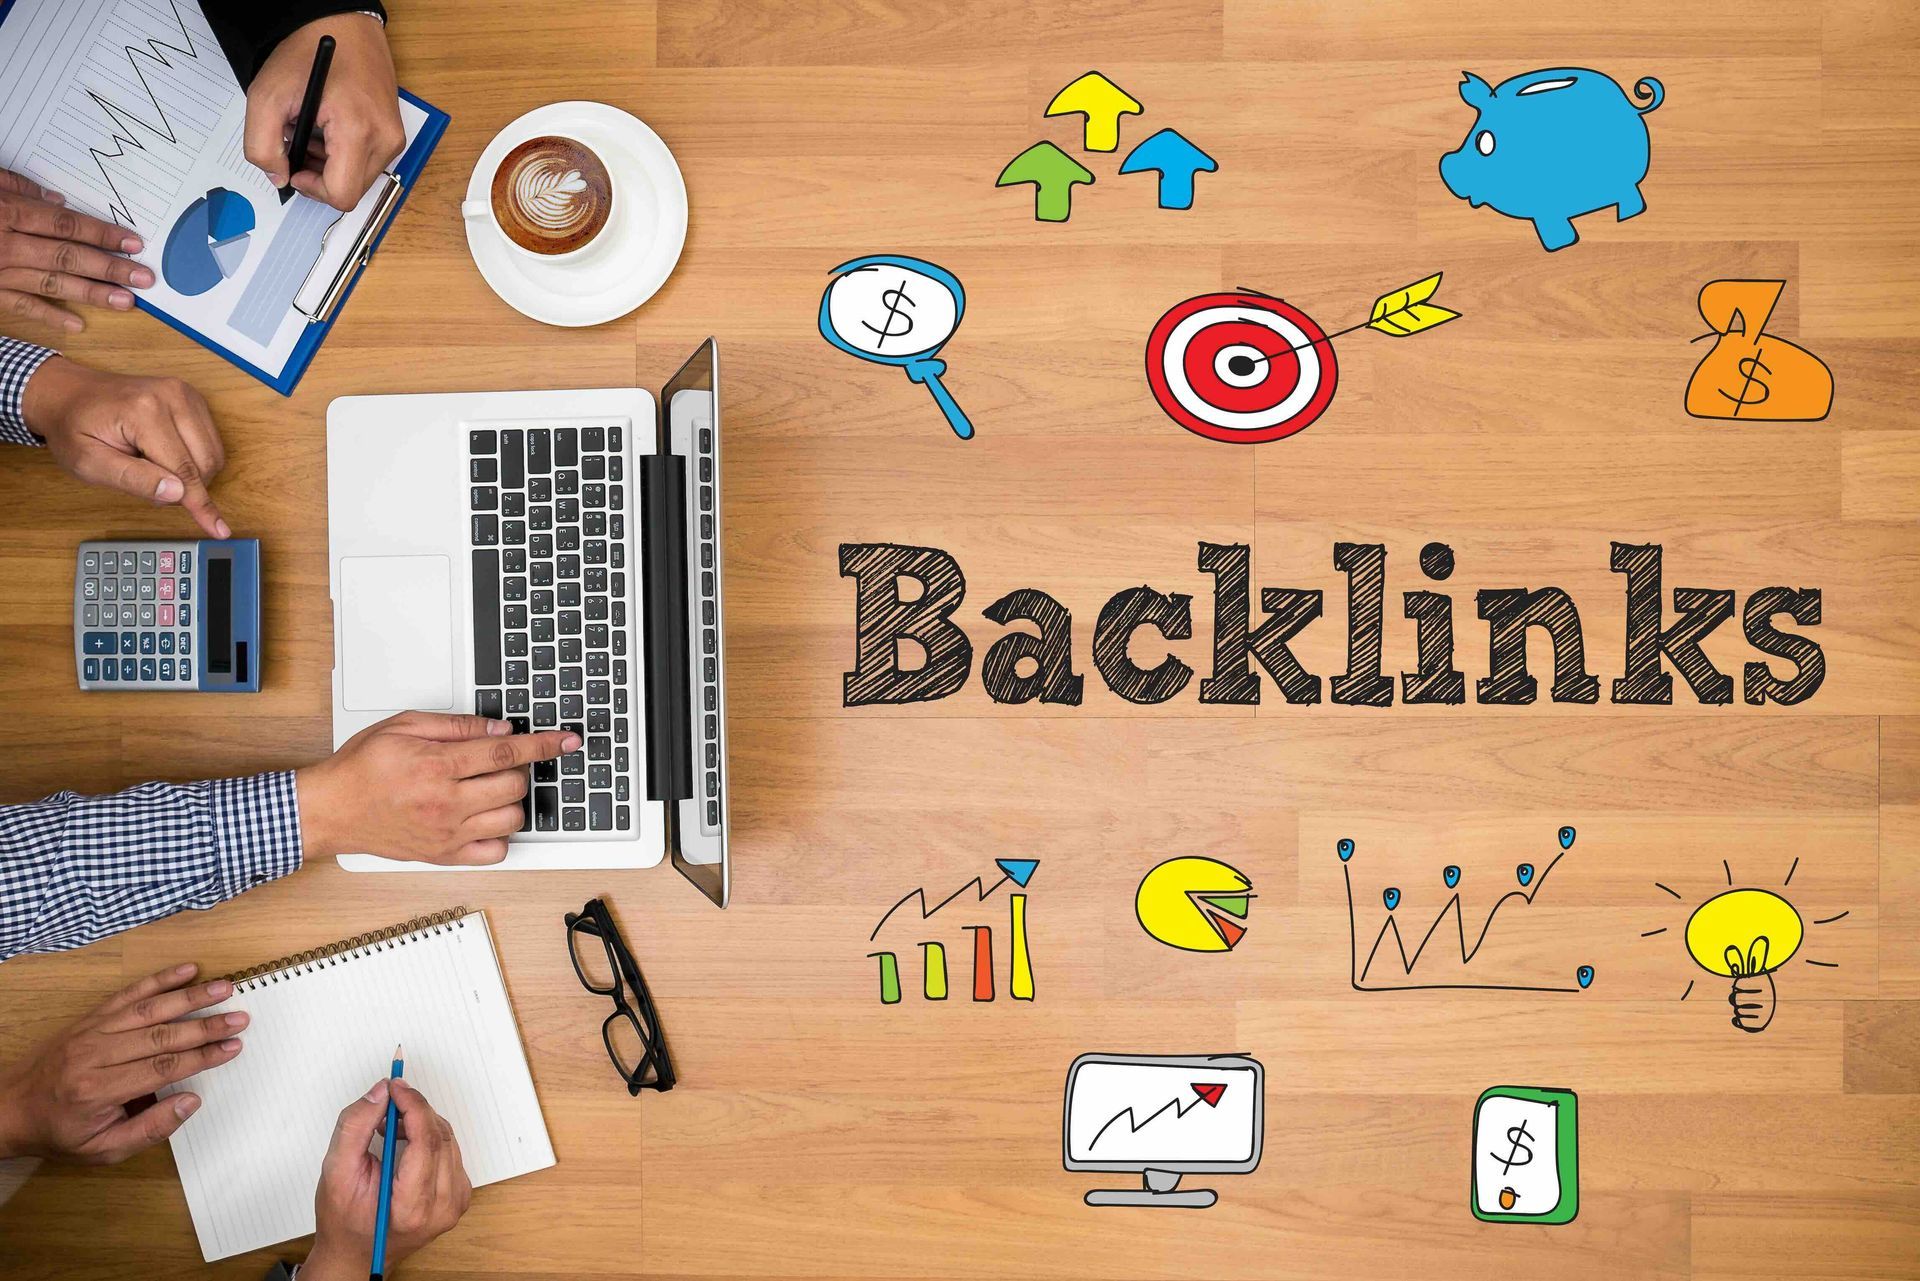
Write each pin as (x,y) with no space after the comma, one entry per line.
(1526,1156)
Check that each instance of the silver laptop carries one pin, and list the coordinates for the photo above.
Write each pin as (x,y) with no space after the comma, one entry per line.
(551,558)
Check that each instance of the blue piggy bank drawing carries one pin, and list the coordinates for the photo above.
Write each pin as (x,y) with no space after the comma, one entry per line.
(1552,145)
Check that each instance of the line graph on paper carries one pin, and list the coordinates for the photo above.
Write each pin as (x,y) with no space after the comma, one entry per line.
(146,94)
(1390,965)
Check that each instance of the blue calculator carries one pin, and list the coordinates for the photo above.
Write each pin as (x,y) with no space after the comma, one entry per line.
(179,616)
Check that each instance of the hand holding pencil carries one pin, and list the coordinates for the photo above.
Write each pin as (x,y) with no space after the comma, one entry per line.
(430,1188)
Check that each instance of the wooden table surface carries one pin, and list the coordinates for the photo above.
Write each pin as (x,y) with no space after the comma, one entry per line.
(819,1133)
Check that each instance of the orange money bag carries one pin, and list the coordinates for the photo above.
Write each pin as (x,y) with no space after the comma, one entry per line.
(1750,373)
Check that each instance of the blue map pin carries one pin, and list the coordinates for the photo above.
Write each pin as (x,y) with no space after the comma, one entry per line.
(1391,898)
(1566,838)
(1524,874)
(1452,875)
(1585,975)
(1346,848)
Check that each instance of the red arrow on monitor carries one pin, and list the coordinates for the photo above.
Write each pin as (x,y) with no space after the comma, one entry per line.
(1210,1093)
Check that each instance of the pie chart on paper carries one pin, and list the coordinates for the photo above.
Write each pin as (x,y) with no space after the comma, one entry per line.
(208,242)
(1195,904)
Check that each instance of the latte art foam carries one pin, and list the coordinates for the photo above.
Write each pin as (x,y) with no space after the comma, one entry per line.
(552,195)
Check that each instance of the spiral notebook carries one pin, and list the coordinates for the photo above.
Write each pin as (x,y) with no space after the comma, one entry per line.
(324,1024)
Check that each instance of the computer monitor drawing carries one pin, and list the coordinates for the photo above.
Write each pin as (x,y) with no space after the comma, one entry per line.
(1163,1117)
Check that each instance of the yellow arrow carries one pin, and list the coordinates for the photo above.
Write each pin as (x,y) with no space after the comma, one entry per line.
(1102,102)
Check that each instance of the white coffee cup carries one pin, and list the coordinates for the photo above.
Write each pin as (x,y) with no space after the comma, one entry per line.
(553,200)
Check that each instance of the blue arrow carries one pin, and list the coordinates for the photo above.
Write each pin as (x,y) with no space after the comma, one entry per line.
(1176,160)
(1020,869)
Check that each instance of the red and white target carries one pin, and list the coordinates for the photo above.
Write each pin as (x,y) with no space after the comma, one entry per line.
(1241,367)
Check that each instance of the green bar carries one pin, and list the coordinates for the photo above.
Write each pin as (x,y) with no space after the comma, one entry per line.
(889,978)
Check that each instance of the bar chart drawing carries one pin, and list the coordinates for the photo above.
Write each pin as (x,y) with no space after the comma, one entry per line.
(976,936)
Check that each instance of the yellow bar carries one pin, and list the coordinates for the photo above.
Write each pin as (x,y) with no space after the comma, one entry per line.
(1021,985)
(935,959)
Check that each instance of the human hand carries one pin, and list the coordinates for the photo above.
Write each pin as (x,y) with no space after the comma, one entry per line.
(424,786)
(87,1094)
(358,131)
(153,438)
(430,1187)
(49,252)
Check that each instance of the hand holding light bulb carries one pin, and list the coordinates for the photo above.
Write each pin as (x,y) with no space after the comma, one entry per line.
(1745,935)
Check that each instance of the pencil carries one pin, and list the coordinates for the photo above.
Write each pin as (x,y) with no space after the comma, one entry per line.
(379,1268)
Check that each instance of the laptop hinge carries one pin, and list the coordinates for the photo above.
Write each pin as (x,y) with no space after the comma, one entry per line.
(663,555)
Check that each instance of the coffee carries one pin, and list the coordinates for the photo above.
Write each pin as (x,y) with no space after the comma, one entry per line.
(551,195)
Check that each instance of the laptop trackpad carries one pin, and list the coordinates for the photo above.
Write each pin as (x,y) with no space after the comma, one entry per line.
(396,621)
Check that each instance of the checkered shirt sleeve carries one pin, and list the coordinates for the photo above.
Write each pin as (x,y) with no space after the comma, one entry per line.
(18,360)
(74,869)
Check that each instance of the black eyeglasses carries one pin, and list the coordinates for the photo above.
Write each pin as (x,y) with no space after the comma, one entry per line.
(606,968)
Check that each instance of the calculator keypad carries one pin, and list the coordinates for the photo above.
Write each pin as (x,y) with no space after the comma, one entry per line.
(136,621)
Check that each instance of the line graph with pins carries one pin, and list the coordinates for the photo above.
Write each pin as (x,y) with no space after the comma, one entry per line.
(1399,963)
(145,98)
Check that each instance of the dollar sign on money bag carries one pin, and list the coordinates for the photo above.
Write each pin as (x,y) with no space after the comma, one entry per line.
(1750,373)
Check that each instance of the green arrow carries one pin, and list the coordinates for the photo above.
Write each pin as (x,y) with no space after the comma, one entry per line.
(1053,173)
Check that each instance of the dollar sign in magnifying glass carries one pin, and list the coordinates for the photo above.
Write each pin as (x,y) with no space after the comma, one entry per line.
(898,311)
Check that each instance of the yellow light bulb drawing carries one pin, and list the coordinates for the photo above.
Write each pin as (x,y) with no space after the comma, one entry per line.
(1745,934)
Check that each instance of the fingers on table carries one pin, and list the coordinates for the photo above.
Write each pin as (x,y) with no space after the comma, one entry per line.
(131,1080)
(153,1124)
(61,223)
(161,434)
(170,1038)
(160,1009)
(167,980)
(19,306)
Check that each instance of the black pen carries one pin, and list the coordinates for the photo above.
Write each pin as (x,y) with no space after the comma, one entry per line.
(309,109)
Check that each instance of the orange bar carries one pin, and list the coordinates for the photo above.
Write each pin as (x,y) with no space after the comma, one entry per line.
(982,962)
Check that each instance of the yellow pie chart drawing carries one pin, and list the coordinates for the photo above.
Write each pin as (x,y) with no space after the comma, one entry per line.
(1194,904)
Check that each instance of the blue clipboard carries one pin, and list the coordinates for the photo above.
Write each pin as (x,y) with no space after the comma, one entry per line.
(407,169)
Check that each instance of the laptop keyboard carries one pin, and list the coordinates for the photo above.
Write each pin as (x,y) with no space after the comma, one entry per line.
(707,608)
(551,643)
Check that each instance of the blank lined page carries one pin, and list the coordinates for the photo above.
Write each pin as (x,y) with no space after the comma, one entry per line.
(321,1034)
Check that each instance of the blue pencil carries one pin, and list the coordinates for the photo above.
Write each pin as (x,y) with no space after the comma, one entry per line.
(386,1174)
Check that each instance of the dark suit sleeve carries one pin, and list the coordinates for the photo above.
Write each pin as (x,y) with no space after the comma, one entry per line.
(249,30)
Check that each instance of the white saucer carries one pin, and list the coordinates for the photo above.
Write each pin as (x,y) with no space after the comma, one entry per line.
(632,257)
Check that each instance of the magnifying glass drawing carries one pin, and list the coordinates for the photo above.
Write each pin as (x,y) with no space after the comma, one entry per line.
(900,311)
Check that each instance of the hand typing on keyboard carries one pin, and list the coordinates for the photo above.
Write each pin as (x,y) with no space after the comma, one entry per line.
(425,787)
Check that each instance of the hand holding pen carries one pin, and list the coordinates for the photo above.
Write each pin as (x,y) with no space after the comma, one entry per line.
(430,1187)
(355,106)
